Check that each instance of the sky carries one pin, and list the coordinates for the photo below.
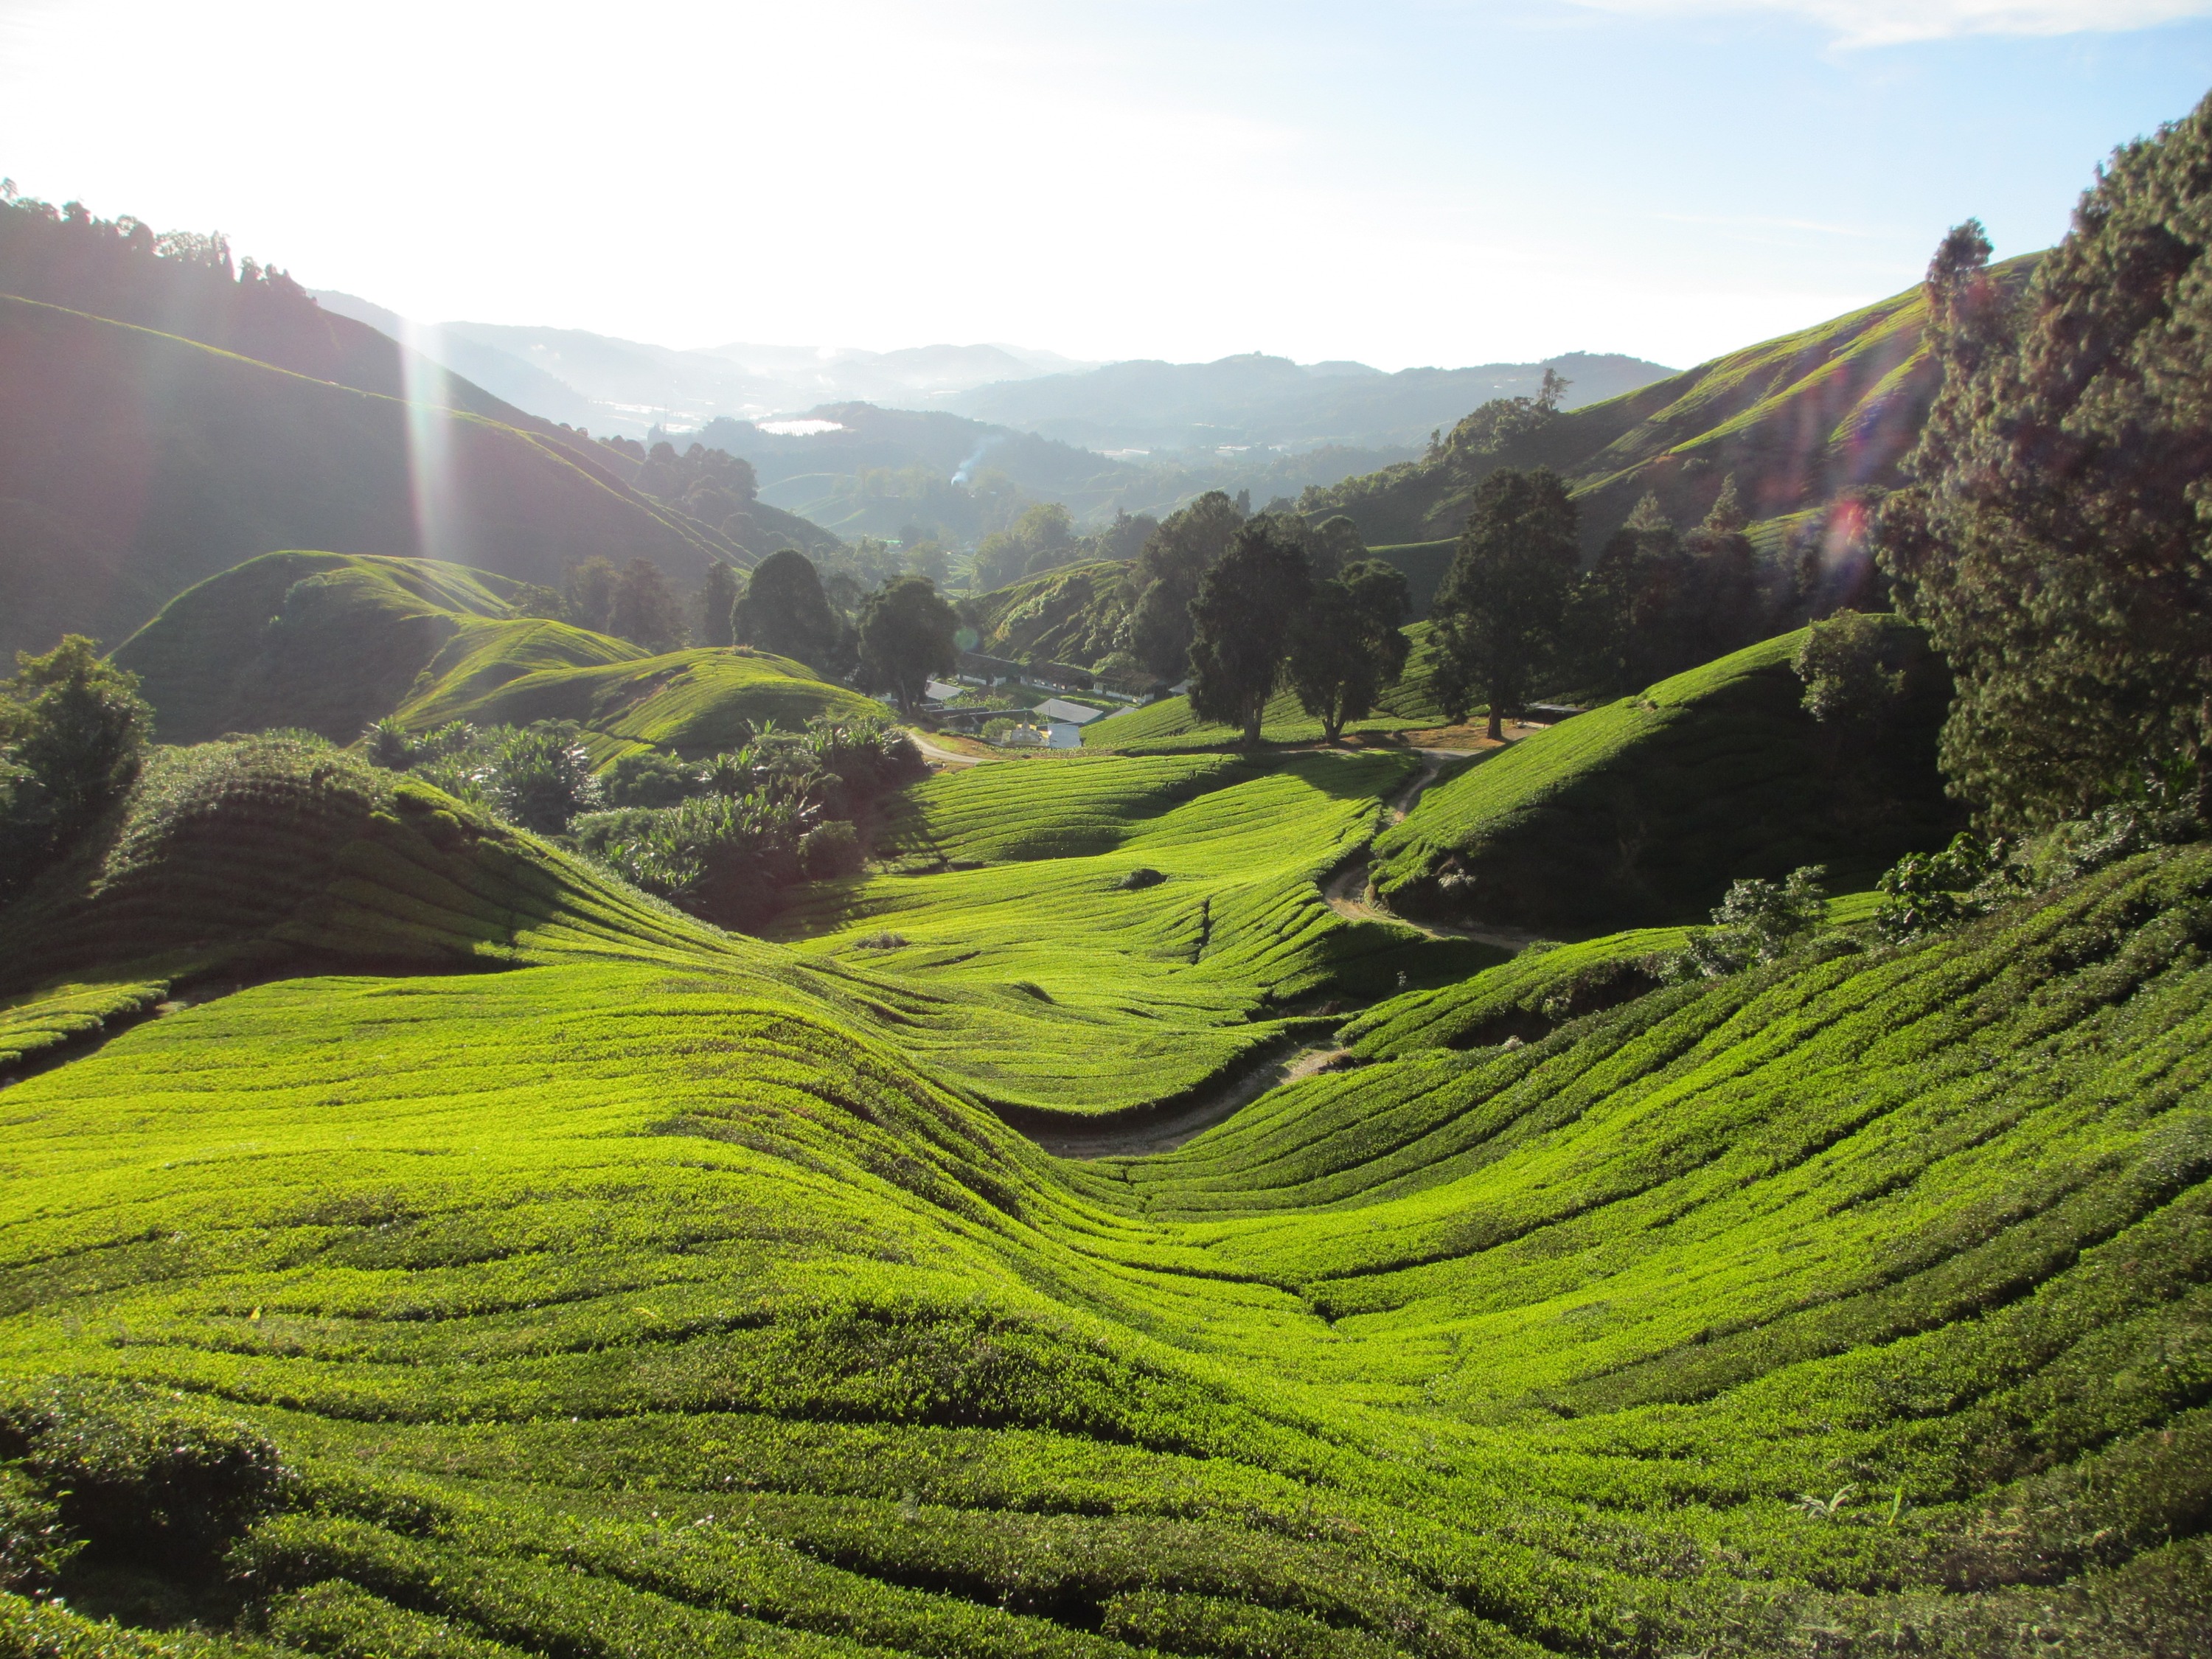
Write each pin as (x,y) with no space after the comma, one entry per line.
(1402,182)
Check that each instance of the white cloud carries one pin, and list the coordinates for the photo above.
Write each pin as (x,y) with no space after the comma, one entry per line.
(1896,23)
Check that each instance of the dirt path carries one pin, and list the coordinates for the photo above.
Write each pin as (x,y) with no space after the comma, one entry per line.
(1166,1131)
(1346,890)
(951,759)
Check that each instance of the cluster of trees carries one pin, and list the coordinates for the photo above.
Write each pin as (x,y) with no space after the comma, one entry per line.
(723,837)
(1515,611)
(710,485)
(1158,628)
(1269,614)
(1043,538)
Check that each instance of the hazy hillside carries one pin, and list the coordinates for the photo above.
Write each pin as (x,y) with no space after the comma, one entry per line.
(1263,401)
(628,387)
(135,463)
(1796,421)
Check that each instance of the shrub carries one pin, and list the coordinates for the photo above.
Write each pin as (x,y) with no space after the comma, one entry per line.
(645,777)
(1758,922)
(145,1472)
(830,849)
(1925,892)
(73,729)
(34,1543)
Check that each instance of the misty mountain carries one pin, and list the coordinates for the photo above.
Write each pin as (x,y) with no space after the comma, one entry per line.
(1257,401)
(628,387)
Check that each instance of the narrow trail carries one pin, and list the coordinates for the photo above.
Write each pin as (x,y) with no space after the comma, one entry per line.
(950,758)
(1346,890)
(1166,1131)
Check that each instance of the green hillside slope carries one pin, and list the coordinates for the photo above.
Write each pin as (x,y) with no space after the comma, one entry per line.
(1796,419)
(1150,922)
(134,463)
(328,642)
(1645,810)
(654,1295)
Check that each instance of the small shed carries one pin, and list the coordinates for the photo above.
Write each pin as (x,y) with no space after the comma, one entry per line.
(1072,713)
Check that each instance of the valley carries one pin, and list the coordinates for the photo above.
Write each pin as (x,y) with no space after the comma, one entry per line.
(1591,1040)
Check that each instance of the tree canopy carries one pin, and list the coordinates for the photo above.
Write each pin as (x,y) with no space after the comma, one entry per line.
(72,730)
(1348,644)
(1165,579)
(1499,607)
(785,611)
(908,633)
(2054,539)
(1248,608)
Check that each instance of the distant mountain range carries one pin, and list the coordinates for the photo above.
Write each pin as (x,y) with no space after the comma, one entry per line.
(1141,408)
(628,387)
(1257,401)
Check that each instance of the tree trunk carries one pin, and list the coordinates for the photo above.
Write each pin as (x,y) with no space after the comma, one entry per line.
(1252,724)
(1497,726)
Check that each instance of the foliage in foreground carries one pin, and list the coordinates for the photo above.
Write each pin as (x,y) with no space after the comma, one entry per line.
(668,1300)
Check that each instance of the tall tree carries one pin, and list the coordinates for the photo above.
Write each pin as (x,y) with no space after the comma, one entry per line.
(718,597)
(1242,622)
(590,594)
(645,610)
(1348,644)
(908,633)
(1499,608)
(784,610)
(1166,576)
(2054,539)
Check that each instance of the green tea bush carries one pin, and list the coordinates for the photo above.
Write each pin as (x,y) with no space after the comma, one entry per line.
(131,1469)
(645,777)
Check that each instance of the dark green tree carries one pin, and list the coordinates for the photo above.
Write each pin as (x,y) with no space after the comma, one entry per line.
(590,594)
(1348,644)
(1337,546)
(647,611)
(1242,622)
(784,610)
(1498,610)
(1165,579)
(2053,539)
(908,633)
(73,730)
(1848,685)
(718,597)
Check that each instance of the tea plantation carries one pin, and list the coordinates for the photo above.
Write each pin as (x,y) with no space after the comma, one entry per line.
(328,642)
(417,1243)
(1643,811)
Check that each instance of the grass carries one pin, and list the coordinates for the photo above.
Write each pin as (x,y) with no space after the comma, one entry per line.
(328,642)
(1169,726)
(1643,811)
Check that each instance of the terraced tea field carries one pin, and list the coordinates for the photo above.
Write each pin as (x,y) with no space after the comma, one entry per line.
(1643,811)
(494,1261)
(328,642)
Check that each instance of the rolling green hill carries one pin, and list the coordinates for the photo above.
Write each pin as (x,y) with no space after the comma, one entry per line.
(328,642)
(1797,421)
(1644,811)
(628,1288)
(134,463)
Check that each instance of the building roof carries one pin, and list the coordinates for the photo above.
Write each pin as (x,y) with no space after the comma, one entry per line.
(1074,712)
